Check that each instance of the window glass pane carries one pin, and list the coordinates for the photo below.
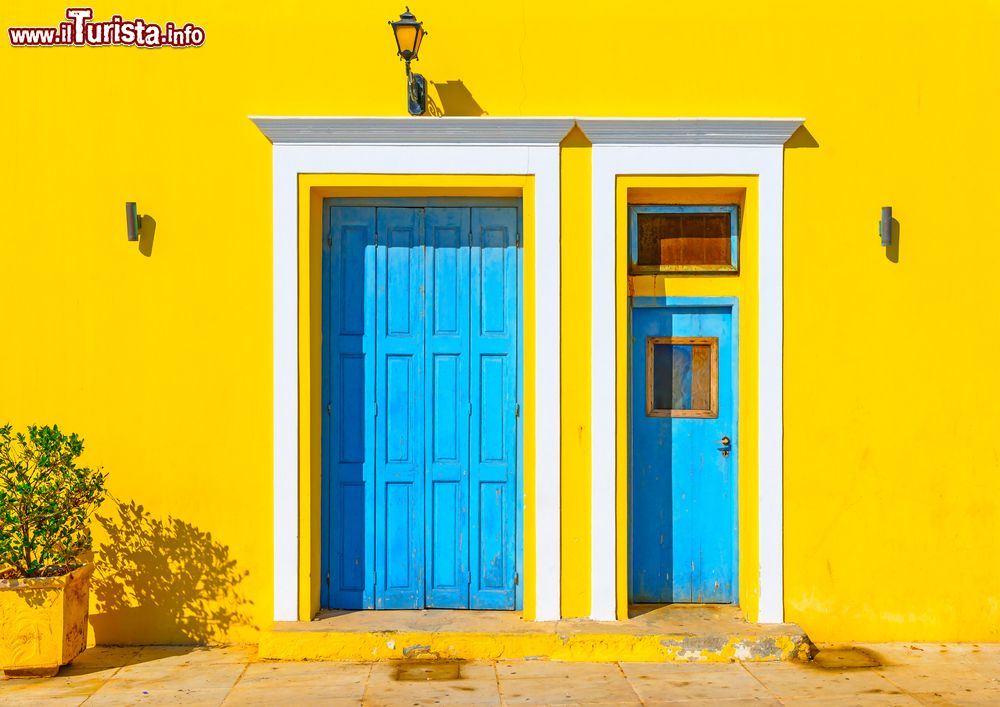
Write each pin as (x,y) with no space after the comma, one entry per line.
(683,239)
(681,376)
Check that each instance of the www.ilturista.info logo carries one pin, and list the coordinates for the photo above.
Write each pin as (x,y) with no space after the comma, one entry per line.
(81,31)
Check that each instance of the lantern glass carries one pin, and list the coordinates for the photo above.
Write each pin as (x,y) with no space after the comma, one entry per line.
(406,38)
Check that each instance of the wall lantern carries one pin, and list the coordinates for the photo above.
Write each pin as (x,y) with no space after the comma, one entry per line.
(885,226)
(409,33)
(133,223)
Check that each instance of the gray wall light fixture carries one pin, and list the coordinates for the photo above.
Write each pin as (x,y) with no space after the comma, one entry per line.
(132,221)
(885,226)
(409,33)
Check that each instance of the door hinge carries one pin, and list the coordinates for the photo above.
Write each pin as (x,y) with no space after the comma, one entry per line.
(376,409)
(376,239)
(329,408)
(328,579)
(517,240)
(329,239)
(470,409)
(517,579)
(470,238)
(517,410)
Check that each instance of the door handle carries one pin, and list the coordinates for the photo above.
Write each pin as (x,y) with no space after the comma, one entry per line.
(725,446)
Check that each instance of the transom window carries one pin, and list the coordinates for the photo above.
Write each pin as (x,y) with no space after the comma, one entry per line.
(688,238)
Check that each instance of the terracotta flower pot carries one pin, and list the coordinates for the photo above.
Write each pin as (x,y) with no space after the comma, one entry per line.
(43,622)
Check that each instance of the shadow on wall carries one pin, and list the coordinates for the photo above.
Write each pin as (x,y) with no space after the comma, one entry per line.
(147,231)
(892,250)
(455,99)
(801,138)
(164,580)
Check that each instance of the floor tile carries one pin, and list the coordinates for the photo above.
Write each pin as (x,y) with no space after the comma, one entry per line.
(319,680)
(792,680)
(63,689)
(670,682)
(956,698)
(554,683)
(101,658)
(545,669)
(939,678)
(207,697)
(472,684)
(157,679)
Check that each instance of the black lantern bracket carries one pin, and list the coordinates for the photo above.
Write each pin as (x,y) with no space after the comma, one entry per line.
(409,33)
(416,97)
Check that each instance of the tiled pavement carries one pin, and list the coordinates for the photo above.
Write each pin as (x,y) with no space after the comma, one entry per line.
(897,674)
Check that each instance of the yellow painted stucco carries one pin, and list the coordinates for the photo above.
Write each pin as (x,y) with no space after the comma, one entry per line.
(161,356)
(575,483)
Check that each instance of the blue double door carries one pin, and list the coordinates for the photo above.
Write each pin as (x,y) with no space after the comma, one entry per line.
(421,358)
(683,449)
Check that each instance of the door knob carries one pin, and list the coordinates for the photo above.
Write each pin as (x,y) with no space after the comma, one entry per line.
(724,441)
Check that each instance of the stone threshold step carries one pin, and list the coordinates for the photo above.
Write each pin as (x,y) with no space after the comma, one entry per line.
(686,633)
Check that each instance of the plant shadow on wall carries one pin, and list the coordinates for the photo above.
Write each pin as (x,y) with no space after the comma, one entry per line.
(453,98)
(154,576)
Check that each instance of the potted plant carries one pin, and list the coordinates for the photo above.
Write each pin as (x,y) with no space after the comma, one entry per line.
(46,500)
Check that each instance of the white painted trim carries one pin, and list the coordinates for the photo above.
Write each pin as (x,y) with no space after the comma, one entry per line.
(689,131)
(610,160)
(409,131)
(318,130)
(286,387)
(542,161)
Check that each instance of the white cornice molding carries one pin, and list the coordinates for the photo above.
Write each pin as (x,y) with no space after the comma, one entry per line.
(303,130)
(413,131)
(689,131)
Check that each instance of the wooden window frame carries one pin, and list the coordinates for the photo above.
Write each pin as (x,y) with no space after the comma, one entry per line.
(633,226)
(713,344)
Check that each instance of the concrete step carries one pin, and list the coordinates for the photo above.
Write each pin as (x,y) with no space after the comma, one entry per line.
(676,632)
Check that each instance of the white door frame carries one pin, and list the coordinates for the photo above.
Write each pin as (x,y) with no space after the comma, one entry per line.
(687,147)
(494,146)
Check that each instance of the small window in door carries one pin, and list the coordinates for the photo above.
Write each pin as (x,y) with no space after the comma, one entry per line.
(683,239)
(682,376)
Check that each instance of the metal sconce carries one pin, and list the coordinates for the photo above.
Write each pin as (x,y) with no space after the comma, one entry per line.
(885,226)
(132,221)
(409,32)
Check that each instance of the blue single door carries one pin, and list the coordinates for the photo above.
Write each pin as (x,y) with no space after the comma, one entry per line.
(683,466)
(421,360)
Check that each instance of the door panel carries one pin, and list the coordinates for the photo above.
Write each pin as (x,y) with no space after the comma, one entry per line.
(447,407)
(494,396)
(349,433)
(683,486)
(399,387)
(420,354)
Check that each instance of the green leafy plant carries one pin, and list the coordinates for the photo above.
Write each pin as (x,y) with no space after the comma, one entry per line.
(46,501)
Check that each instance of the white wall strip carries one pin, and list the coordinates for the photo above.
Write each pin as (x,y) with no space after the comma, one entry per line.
(610,160)
(542,161)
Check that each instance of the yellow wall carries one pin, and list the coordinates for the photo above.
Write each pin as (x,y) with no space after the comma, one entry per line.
(163,362)
(575,363)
